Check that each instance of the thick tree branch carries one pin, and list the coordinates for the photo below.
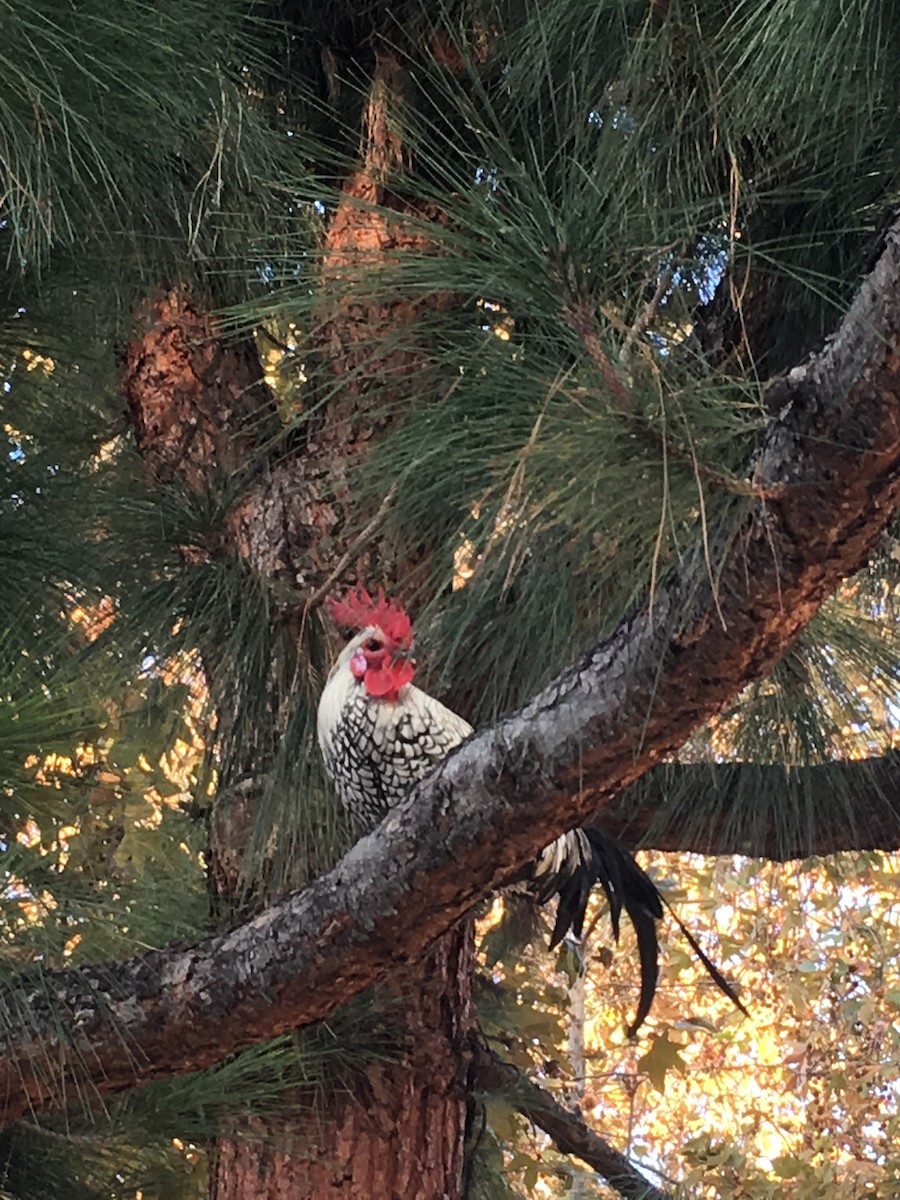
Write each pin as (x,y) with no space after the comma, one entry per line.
(763,811)
(831,465)
(567,1128)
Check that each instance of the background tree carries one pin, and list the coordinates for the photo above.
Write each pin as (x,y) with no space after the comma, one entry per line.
(493,304)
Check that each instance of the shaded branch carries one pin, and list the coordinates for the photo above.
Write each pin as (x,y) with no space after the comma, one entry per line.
(580,318)
(831,467)
(566,1127)
(762,811)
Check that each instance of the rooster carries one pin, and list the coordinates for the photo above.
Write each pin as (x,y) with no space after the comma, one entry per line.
(380,734)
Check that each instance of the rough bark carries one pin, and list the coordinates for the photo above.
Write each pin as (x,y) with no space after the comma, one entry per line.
(198,407)
(199,411)
(295,522)
(831,473)
(401,1136)
(567,1127)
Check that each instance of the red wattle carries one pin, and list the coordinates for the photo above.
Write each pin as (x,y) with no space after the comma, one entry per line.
(380,682)
(386,682)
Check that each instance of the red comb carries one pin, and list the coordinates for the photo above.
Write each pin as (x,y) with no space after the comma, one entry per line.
(358,610)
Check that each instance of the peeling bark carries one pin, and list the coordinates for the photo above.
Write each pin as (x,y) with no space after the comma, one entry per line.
(831,470)
(198,407)
(297,522)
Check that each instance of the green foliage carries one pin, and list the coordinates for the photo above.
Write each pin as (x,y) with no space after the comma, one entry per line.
(620,186)
(138,146)
(574,182)
(154,1140)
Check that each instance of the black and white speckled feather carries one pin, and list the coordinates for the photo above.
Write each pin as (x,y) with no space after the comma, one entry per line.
(376,749)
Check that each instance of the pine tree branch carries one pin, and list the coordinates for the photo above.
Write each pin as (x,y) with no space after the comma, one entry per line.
(763,811)
(566,1127)
(580,318)
(831,467)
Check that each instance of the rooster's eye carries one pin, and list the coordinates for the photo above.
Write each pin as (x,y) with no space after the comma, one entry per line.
(373,644)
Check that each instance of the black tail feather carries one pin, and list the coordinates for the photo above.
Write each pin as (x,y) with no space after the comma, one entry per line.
(627,887)
(571,907)
(712,970)
(630,888)
(648,950)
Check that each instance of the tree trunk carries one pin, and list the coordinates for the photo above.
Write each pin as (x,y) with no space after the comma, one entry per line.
(401,1135)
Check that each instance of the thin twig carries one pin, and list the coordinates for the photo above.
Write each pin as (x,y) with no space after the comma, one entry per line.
(657,548)
(650,310)
(580,319)
(566,1127)
(513,493)
(353,549)
(704,528)
(276,342)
